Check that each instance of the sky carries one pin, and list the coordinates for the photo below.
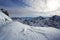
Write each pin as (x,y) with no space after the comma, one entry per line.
(31,8)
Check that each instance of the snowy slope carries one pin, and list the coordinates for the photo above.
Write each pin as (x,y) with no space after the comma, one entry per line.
(13,30)
(3,16)
(19,31)
(4,19)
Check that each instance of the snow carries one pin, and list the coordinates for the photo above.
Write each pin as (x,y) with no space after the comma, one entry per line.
(4,18)
(14,30)
(40,21)
(19,31)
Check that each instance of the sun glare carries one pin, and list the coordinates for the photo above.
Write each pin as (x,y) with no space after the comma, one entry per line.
(53,5)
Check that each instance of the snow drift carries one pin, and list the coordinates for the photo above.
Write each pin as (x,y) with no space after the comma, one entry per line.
(13,30)
(4,18)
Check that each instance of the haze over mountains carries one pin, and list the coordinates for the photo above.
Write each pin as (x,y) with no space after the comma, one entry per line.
(53,21)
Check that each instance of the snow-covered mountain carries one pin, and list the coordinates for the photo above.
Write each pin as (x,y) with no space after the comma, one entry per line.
(53,21)
(13,30)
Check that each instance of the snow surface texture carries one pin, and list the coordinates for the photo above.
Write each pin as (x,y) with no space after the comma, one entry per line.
(4,19)
(17,31)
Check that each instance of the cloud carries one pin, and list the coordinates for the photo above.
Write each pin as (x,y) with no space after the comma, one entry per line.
(25,8)
(24,12)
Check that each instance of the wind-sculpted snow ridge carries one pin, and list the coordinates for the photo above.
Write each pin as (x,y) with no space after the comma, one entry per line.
(3,16)
(4,19)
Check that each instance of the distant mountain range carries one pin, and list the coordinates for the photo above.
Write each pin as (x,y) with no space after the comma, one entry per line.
(53,21)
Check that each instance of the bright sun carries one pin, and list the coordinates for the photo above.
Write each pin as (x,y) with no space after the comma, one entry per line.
(53,5)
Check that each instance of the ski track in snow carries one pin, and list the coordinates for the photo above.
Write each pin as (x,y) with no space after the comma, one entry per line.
(19,31)
(12,30)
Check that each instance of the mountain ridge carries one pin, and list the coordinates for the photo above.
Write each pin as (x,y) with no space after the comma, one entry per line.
(53,21)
